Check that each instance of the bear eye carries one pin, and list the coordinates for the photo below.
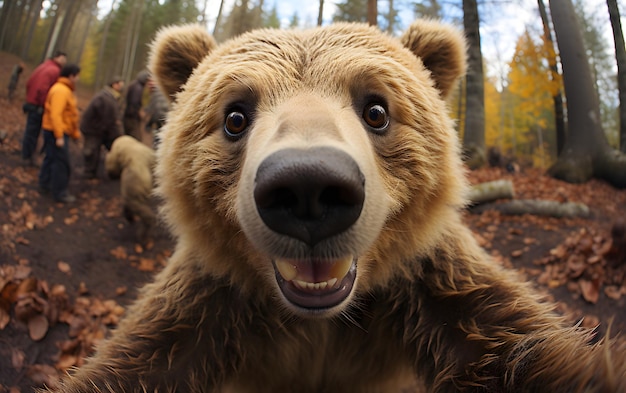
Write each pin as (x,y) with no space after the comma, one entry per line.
(236,123)
(375,115)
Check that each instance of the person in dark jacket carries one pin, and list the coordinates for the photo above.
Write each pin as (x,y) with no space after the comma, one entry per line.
(156,112)
(37,86)
(100,124)
(133,114)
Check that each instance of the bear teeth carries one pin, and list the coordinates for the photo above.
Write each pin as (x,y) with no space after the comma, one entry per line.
(315,286)
(287,269)
(314,274)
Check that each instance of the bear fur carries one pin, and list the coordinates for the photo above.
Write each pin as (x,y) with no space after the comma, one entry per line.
(314,184)
(133,163)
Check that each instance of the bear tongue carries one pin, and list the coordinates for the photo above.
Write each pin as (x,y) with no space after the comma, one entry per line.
(313,270)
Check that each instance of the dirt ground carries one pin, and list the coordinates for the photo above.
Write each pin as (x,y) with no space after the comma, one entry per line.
(68,271)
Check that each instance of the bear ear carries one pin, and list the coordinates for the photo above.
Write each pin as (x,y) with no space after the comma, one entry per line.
(175,52)
(442,50)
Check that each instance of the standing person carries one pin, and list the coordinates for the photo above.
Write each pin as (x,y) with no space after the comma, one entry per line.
(60,122)
(100,124)
(133,114)
(37,86)
(156,112)
(14,79)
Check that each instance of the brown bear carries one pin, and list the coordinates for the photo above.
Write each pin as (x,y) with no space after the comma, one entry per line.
(133,163)
(314,185)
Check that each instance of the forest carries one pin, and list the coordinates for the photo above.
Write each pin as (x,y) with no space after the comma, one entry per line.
(541,117)
(519,112)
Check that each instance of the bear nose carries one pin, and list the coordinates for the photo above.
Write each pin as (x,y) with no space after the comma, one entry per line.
(309,194)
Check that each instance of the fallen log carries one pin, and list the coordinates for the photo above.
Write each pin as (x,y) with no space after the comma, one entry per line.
(536,207)
(490,191)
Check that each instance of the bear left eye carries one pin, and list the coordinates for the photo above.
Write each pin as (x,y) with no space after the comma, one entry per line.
(236,123)
(375,115)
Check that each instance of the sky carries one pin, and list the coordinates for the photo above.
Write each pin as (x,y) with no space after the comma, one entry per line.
(502,22)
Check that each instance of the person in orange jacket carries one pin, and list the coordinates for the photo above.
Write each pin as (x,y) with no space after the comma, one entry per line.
(59,123)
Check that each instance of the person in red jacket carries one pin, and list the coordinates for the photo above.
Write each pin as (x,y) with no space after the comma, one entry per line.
(37,86)
(60,122)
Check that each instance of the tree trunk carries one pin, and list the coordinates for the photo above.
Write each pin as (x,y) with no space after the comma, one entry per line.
(536,207)
(390,18)
(557,98)
(203,15)
(103,41)
(372,12)
(9,24)
(69,20)
(586,153)
(22,18)
(134,38)
(490,191)
(31,29)
(7,7)
(218,19)
(474,131)
(620,55)
(320,14)
(90,17)
(55,26)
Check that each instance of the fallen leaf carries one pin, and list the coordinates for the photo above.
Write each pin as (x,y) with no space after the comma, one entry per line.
(119,252)
(119,291)
(554,284)
(613,292)
(64,267)
(590,290)
(146,265)
(5,318)
(590,321)
(82,288)
(38,327)
(43,374)
(26,286)
(17,358)
(22,272)
(66,361)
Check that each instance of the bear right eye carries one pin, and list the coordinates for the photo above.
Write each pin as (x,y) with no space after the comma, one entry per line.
(236,123)
(376,116)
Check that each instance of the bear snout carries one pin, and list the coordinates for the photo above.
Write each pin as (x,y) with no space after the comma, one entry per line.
(309,194)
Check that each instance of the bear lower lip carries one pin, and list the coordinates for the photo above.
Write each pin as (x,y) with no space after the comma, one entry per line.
(316,283)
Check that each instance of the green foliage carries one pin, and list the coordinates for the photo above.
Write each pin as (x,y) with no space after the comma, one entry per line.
(126,53)
(88,62)
(271,19)
(351,11)
(244,16)
(294,21)
(390,19)
(427,9)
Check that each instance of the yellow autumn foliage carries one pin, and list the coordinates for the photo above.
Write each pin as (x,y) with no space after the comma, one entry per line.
(520,117)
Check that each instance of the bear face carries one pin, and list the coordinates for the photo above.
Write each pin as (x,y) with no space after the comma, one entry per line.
(313,182)
(315,153)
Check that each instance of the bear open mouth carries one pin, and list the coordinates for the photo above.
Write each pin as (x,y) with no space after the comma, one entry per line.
(316,283)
